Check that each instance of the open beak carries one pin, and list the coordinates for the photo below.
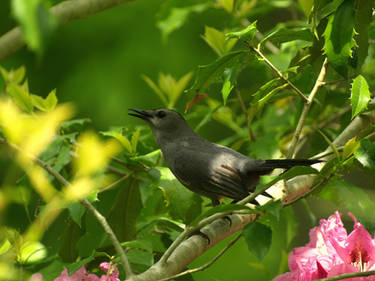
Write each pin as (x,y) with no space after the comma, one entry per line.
(143,114)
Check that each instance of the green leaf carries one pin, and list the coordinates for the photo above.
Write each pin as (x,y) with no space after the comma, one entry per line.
(258,238)
(210,73)
(75,125)
(36,22)
(360,95)
(122,139)
(47,104)
(283,34)
(15,76)
(350,147)
(227,5)
(339,37)
(125,211)
(68,250)
(177,16)
(31,252)
(306,6)
(273,208)
(246,34)
(150,158)
(181,202)
(264,90)
(76,211)
(230,77)
(140,259)
(134,140)
(352,198)
(20,96)
(156,89)
(216,40)
(365,154)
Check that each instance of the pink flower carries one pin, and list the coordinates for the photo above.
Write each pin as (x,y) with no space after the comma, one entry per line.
(331,251)
(82,275)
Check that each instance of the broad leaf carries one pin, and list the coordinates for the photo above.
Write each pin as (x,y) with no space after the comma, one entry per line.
(47,104)
(350,147)
(122,139)
(21,97)
(360,95)
(339,37)
(75,125)
(258,238)
(282,34)
(125,211)
(365,154)
(182,203)
(210,73)
(230,77)
(216,40)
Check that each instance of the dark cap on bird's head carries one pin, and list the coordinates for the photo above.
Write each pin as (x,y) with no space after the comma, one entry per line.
(162,121)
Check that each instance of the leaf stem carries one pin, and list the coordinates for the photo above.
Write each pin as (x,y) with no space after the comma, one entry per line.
(295,89)
(318,83)
(348,275)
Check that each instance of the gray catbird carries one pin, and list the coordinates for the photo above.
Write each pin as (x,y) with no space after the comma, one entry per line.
(206,168)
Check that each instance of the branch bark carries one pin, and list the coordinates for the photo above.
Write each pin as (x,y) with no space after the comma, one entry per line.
(64,12)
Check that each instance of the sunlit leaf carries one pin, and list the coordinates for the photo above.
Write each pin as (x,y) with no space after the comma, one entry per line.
(306,6)
(227,5)
(20,97)
(258,238)
(360,95)
(122,139)
(31,252)
(338,37)
(283,34)
(47,104)
(89,145)
(230,77)
(13,76)
(350,147)
(217,41)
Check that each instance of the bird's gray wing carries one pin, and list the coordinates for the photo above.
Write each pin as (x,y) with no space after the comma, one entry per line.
(208,174)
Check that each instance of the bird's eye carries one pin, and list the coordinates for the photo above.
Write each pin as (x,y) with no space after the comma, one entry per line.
(161,114)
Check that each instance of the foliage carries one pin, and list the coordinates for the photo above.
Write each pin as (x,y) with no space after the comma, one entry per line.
(242,94)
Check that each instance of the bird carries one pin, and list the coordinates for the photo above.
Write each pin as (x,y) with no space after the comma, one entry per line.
(206,168)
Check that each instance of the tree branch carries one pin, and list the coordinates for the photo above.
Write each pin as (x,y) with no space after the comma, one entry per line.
(294,88)
(64,12)
(319,83)
(211,262)
(101,219)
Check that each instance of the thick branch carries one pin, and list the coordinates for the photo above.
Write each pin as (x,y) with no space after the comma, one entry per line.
(64,12)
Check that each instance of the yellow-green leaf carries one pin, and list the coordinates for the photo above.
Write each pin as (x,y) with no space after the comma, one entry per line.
(122,139)
(350,147)
(156,89)
(360,95)
(20,97)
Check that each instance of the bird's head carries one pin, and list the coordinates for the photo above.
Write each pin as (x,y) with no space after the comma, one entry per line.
(163,122)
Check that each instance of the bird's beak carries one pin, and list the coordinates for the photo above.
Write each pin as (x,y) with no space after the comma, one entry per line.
(143,114)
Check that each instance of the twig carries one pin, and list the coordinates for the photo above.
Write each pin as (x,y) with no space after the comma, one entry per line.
(101,219)
(319,83)
(259,53)
(243,107)
(348,275)
(120,180)
(211,262)
(64,12)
